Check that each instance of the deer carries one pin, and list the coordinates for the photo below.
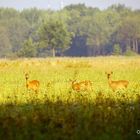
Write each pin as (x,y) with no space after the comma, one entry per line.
(81,86)
(32,85)
(115,85)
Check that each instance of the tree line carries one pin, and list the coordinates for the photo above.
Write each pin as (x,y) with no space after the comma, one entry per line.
(75,30)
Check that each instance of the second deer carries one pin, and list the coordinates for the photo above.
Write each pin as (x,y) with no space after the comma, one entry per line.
(115,85)
(82,85)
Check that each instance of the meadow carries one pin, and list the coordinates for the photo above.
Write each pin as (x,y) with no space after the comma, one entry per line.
(57,112)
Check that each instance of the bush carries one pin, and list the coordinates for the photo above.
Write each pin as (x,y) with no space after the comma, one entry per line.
(117,49)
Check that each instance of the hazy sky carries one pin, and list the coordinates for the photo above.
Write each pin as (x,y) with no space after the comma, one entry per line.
(56,4)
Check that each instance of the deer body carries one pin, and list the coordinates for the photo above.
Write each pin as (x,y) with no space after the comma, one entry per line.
(33,85)
(81,86)
(115,85)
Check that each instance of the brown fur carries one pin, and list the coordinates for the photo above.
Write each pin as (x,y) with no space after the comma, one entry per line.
(81,86)
(33,85)
(114,85)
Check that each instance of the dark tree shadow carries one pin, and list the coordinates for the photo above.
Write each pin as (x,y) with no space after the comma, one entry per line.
(79,119)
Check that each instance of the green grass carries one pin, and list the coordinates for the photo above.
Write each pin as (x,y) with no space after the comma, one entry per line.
(57,112)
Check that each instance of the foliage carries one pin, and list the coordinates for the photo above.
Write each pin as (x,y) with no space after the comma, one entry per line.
(117,49)
(29,49)
(76,30)
(55,34)
(130,53)
(5,44)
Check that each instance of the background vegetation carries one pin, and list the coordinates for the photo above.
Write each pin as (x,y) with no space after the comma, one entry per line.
(76,30)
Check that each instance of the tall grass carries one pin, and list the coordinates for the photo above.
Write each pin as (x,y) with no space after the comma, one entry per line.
(58,112)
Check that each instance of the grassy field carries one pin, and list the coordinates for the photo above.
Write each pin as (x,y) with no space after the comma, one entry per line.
(58,112)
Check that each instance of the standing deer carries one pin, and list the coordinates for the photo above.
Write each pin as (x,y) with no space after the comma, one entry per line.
(81,86)
(33,85)
(120,84)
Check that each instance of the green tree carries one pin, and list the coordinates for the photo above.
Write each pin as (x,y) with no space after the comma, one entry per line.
(29,49)
(5,44)
(8,13)
(79,23)
(18,32)
(117,49)
(55,35)
(129,32)
(98,33)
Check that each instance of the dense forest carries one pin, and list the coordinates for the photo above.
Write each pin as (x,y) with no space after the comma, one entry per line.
(75,30)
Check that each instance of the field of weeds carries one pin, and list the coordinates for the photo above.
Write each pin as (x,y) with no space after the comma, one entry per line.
(60,112)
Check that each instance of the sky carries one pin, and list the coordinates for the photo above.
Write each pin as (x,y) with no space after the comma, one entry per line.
(57,4)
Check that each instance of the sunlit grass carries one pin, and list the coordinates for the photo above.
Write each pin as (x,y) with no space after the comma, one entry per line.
(58,112)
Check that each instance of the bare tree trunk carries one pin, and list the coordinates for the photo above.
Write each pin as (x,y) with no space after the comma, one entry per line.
(93,51)
(89,51)
(133,48)
(53,52)
(128,45)
(138,46)
(136,41)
